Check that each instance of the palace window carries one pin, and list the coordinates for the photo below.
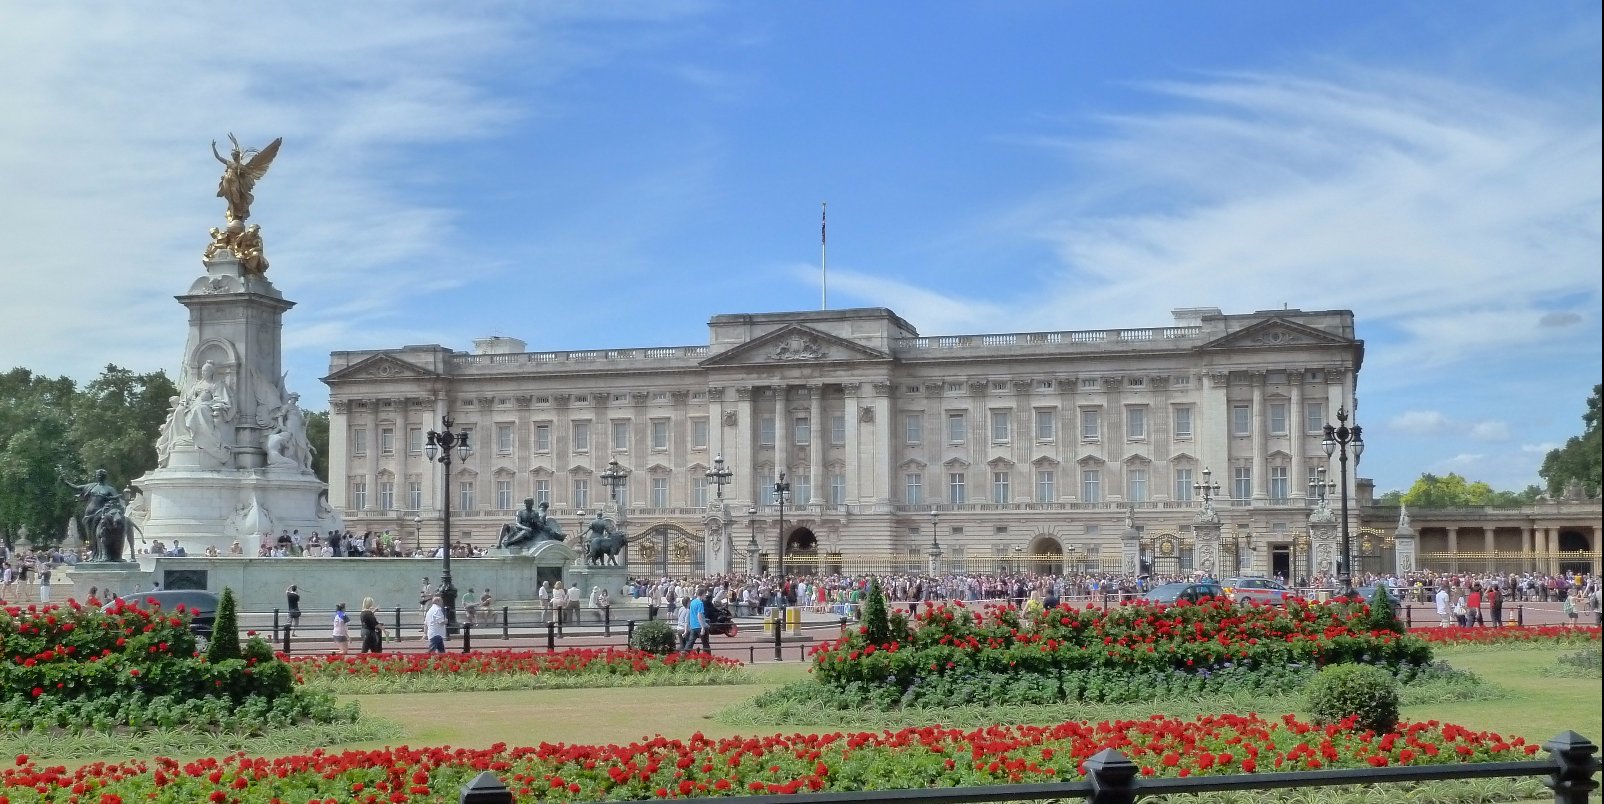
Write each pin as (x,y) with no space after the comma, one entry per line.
(1241,420)
(801,431)
(543,491)
(1001,426)
(765,431)
(1278,418)
(660,434)
(359,441)
(1136,424)
(504,439)
(957,428)
(504,495)
(1314,417)
(465,498)
(999,486)
(838,430)
(386,494)
(699,431)
(414,492)
(913,488)
(359,493)
(387,440)
(581,492)
(660,491)
(621,435)
(1046,424)
(1091,424)
(1136,485)
(543,437)
(955,488)
(581,436)
(1183,484)
(1091,485)
(1046,485)
(415,440)
(913,425)
(1183,423)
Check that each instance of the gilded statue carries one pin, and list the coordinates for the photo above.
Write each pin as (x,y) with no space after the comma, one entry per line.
(241,170)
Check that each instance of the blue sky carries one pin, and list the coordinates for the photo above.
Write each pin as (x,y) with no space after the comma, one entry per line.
(590,174)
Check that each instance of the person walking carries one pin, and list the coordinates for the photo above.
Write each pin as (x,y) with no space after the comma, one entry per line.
(341,632)
(1473,607)
(372,636)
(434,625)
(559,604)
(1442,607)
(292,596)
(1495,605)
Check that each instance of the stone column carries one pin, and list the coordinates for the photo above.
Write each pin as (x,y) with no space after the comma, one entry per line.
(851,393)
(1206,532)
(374,458)
(1403,554)
(745,446)
(782,433)
(1130,550)
(1453,548)
(1261,482)
(885,431)
(1489,544)
(1296,438)
(816,437)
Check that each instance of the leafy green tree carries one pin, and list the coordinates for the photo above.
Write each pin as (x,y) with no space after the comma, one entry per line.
(1581,460)
(35,420)
(317,434)
(118,418)
(1451,490)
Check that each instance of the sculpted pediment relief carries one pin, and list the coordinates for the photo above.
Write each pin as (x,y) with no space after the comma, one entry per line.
(1275,332)
(380,367)
(795,344)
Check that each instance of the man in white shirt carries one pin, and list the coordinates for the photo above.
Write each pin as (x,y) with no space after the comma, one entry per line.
(434,625)
(1442,606)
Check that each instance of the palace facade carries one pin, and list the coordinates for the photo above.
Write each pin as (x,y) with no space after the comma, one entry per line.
(991,451)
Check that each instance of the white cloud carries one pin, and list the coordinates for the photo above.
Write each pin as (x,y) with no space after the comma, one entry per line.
(1420,422)
(1490,431)
(1540,449)
(104,158)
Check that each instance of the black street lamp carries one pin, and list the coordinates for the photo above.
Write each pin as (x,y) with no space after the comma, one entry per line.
(614,476)
(439,448)
(719,475)
(935,544)
(781,490)
(1341,440)
(752,545)
(1206,488)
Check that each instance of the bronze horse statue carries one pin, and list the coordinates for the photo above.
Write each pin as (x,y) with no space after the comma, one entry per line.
(603,543)
(113,530)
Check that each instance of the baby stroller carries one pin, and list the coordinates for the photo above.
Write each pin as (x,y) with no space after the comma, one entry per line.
(720,622)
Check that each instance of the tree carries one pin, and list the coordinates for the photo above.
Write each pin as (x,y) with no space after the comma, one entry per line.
(224,643)
(35,419)
(875,619)
(317,434)
(118,418)
(1581,460)
(1432,491)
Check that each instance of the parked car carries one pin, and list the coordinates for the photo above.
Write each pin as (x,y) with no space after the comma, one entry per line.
(201,604)
(1368,592)
(1264,591)
(1189,591)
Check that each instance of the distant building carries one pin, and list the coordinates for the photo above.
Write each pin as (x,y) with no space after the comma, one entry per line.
(1017,449)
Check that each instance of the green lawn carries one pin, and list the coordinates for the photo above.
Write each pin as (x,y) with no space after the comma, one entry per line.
(1537,708)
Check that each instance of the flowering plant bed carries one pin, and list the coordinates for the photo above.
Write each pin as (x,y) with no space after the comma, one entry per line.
(75,668)
(700,767)
(1550,634)
(1109,654)
(503,670)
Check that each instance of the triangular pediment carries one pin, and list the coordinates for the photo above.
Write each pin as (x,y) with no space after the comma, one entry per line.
(1045,460)
(1000,463)
(1182,457)
(1137,459)
(380,367)
(956,463)
(795,344)
(1275,333)
(912,463)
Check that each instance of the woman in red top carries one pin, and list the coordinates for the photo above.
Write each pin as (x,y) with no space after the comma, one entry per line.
(1473,605)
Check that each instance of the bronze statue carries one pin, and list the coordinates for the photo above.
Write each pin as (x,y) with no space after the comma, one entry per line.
(603,542)
(240,172)
(103,517)
(529,525)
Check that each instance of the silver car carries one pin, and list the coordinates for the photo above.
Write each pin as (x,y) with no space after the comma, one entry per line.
(1263,591)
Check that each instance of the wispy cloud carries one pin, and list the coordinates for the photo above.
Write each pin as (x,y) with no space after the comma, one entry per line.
(1420,422)
(1464,220)
(104,159)
(1490,431)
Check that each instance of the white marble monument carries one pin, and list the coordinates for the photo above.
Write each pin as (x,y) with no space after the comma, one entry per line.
(233,460)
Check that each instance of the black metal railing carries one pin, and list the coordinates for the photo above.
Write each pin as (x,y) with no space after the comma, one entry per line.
(1112,778)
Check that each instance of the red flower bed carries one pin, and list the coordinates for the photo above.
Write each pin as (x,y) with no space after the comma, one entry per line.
(1556,634)
(1135,636)
(702,767)
(611,661)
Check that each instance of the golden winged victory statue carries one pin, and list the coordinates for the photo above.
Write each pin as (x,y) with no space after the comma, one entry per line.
(240,171)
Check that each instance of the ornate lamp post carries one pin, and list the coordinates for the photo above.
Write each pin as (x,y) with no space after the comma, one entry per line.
(782,489)
(752,547)
(439,447)
(719,475)
(935,543)
(1341,440)
(614,476)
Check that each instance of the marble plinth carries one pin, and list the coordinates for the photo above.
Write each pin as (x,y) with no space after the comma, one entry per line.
(199,508)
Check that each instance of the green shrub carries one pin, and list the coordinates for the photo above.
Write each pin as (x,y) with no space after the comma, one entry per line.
(1384,612)
(225,631)
(875,619)
(1361,690)
(654,636)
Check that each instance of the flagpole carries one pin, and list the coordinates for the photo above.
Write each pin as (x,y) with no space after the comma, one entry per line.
(824,259)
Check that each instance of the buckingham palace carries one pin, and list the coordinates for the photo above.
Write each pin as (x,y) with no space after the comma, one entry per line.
(1032,450)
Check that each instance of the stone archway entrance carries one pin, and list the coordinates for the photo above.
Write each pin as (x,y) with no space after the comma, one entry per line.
(802,552)
(1575,550)
(1046,556)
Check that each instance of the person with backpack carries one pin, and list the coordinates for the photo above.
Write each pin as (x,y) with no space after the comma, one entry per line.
(341,632)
